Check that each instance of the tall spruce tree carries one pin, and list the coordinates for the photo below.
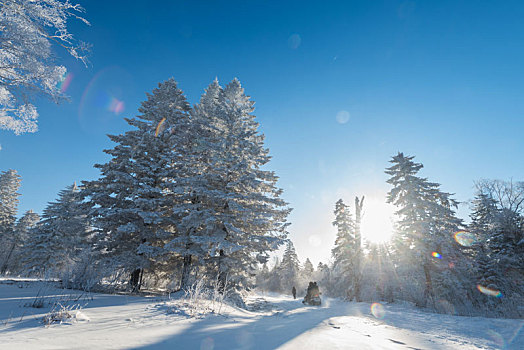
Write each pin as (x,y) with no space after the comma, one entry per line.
(193,192)
(483,223)
(429,258)
(129,205)
(344,252)
(251,216)
(289,268)
(234,215)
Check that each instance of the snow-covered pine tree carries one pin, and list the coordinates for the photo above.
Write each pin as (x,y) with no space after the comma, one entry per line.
(344,252)
(289,269)
(9,184)
(273,281)
(498,220)
(430,262)
(324,278)
(234,216)
(55,243)
(130,205)
(262,279)
(483,223)
(483,216)
(21,236)
(193,191)
(253,216)
(506,262)
(308,270)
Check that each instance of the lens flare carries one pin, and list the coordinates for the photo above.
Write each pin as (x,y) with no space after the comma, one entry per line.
(436,255)
(65,81)
(343,117)
(207,344)
(159,127)
(489,291)
(497,338)
(464,238)
(116,106)
(378,310)
(105,97)
(244,339)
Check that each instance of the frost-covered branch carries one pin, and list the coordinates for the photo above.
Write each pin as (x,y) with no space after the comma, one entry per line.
(28,30)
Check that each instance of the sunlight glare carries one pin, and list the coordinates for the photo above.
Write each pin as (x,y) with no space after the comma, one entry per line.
(315,241)
(465,239)
(378,310)
(489,291)
(377,220)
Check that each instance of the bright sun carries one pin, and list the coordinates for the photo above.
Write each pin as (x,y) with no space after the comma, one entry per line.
(377,224)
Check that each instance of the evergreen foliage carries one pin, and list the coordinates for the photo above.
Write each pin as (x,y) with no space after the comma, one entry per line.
(344,252)
(21,237)
(289,268)
(186,195)
(9,185)
(189,184)
(234,215)
(308,270)
(431,263)
(58,239)
(498,223)
(130,202)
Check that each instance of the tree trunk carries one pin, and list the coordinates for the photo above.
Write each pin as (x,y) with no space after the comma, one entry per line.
(134,280)
(6,261)
(136,276)
(358,243)
(222,275)
(186,268)
(428,291)
(140,279)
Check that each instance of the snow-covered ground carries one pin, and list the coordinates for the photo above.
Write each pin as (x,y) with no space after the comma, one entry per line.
(272,321)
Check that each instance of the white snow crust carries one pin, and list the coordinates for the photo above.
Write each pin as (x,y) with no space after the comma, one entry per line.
(271,322)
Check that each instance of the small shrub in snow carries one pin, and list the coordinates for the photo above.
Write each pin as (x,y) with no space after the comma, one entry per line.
(199,299)
(63,314)
(195,298)
(59,314)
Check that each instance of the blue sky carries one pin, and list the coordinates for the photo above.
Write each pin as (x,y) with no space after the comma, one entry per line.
(438,80)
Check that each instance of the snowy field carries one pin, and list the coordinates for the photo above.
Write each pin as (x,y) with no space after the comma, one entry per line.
(271,321)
